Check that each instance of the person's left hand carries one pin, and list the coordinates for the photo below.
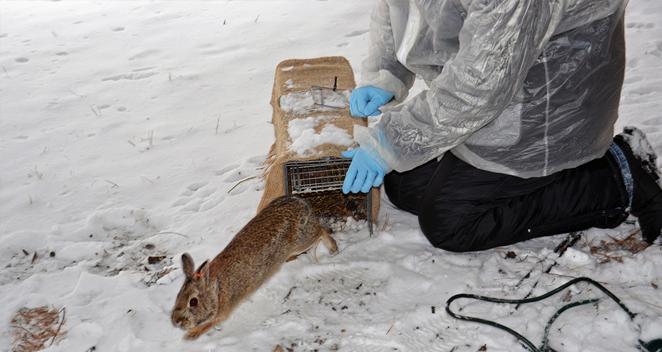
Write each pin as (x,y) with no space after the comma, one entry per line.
(363,173)
(366,101)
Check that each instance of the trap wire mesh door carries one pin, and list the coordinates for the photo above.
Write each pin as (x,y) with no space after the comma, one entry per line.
(323,176)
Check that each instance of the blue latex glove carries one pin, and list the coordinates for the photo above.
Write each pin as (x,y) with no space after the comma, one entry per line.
(365,101)
(363,173)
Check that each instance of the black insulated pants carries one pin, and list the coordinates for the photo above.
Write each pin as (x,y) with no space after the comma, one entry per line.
(461,208)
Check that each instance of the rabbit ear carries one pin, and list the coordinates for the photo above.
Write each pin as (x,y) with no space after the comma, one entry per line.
(203,271)
(202,267)
(187,262)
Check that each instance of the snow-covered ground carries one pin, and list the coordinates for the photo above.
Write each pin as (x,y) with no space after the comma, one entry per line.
(125,127)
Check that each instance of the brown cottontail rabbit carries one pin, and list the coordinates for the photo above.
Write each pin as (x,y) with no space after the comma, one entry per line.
(284,228)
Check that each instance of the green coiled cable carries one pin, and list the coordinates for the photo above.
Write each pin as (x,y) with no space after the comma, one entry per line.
(652,346)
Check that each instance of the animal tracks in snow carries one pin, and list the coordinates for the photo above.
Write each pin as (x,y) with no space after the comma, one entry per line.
(226,169)
(199,197)
(357,33)
(657,49)
(337,296)
(639,25)
(112,240)
(138,74)
(235,179)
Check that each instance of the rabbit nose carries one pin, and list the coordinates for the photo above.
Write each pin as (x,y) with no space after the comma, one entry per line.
(177,318)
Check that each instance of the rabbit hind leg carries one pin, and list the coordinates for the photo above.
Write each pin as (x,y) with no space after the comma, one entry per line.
(322,235)
(329,242)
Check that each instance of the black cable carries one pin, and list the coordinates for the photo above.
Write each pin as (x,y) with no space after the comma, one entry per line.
(544,346)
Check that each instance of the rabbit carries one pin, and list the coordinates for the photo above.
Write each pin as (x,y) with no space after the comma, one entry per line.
(283,229)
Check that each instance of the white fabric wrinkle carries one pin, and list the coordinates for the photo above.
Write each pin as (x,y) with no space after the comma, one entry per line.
(476,56)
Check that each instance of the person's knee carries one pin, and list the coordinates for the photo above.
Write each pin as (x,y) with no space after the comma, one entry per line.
(403,193)
(445,232)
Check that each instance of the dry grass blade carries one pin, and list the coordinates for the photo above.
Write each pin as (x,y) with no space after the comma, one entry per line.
(642,301)
(163,233)
(34,328)
(385,223)
(240,182)
(392,325)
(266,165)
(615,249)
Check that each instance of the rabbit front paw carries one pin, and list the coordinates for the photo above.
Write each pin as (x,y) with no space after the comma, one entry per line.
(197,331)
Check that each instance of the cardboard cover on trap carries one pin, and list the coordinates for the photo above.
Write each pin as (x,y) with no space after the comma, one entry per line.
(294,77)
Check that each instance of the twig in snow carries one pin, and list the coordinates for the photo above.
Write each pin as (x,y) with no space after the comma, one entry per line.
(569,241)
(258,16)
(112,183)
(170,232)
(238,183)
(36,173)
(96,112)
(218,122)
(234,127)
(575,277)
(392,325)
(642,301)
(6,73)
(59,326)
(162,233)
(149,139)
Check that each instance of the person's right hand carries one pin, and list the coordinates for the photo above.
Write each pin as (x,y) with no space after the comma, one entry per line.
(363,173)
(365,101)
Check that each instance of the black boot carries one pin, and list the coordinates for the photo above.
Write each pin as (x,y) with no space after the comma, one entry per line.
(647,181)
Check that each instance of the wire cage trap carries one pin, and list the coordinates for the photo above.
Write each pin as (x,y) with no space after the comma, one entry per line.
(320,182)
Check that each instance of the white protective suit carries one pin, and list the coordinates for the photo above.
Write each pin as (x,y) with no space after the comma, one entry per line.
(524,88)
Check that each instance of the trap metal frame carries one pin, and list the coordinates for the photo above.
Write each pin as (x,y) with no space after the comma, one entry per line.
(321,98)
(321,90)
(325,174)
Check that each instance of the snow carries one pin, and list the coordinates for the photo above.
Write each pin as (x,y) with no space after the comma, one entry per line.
(135,129)
(314,100)
(305,140)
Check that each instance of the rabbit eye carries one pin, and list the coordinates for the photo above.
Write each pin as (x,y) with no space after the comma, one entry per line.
(193,302)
